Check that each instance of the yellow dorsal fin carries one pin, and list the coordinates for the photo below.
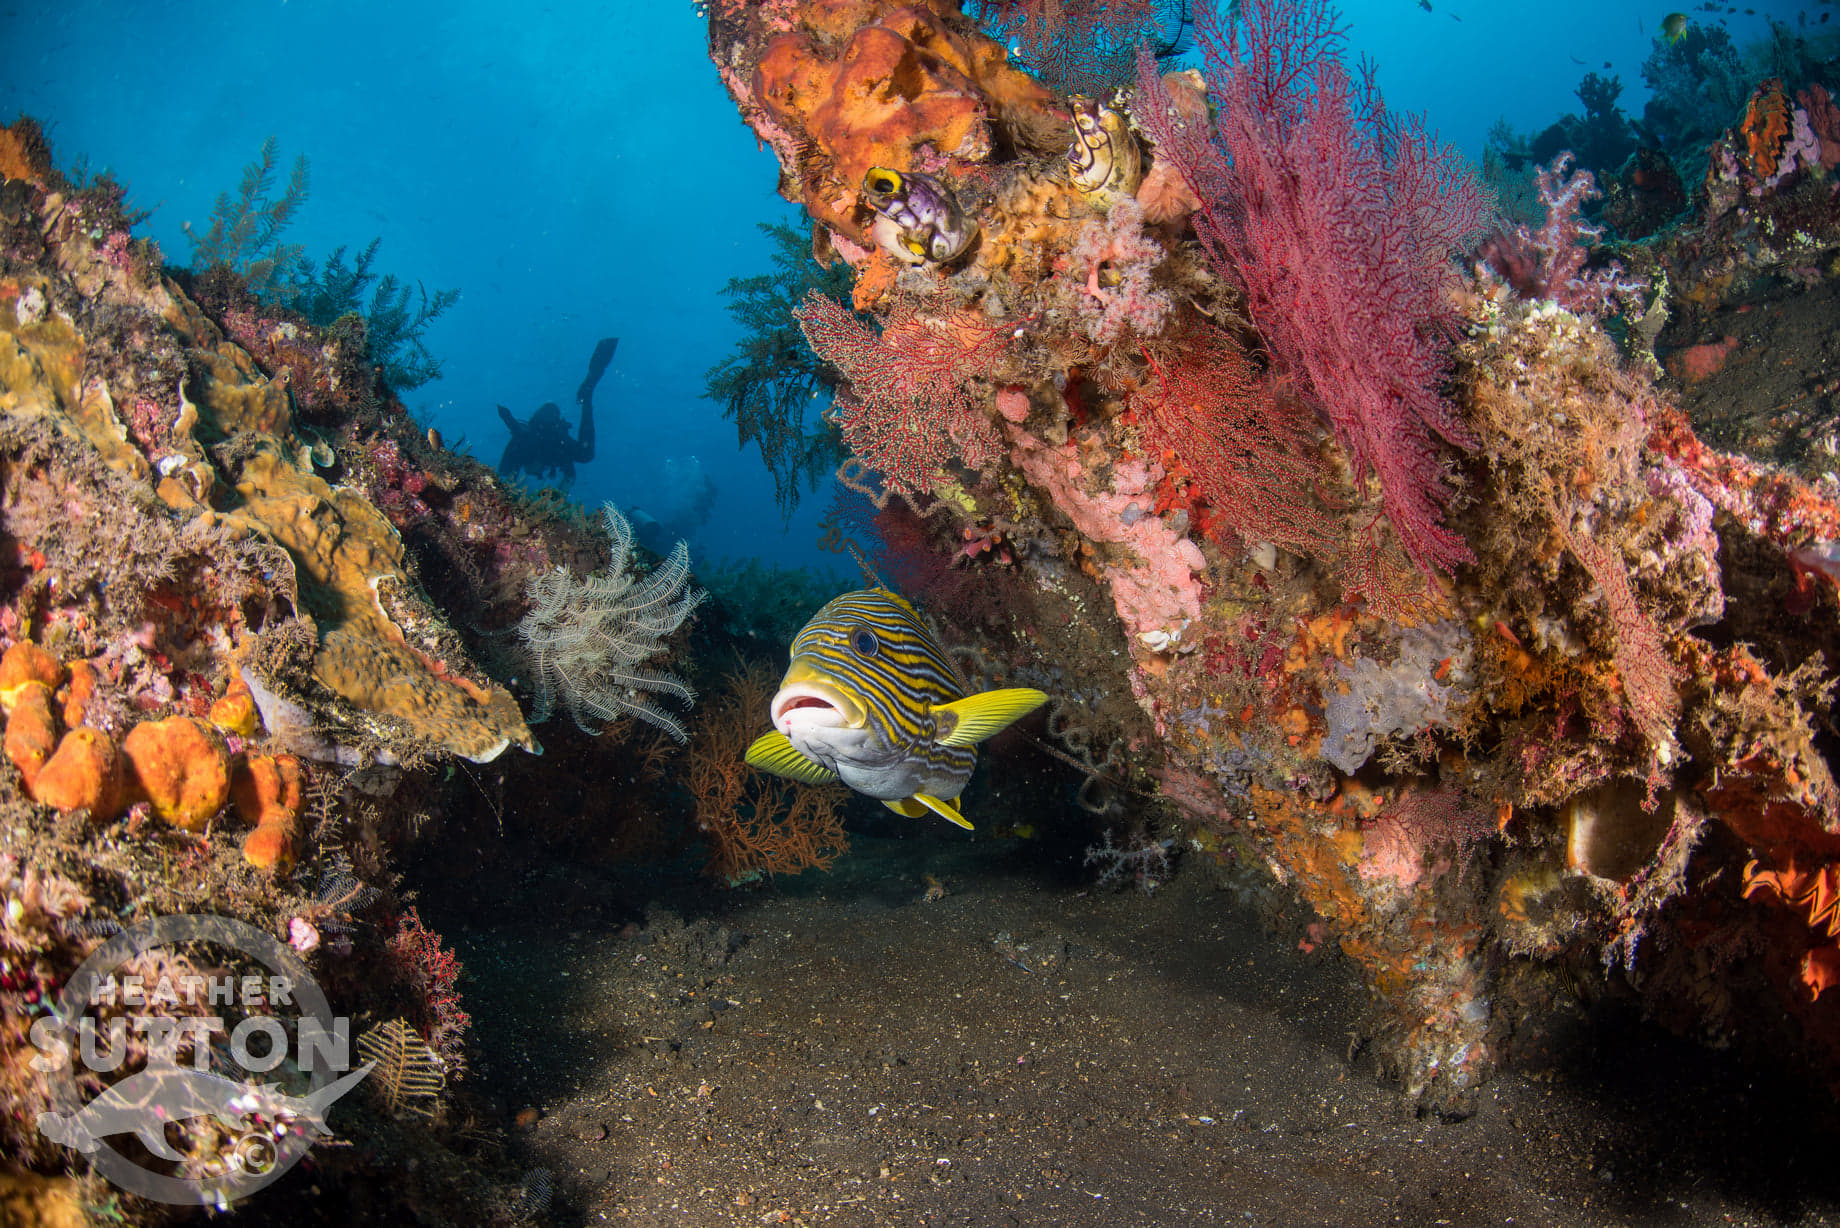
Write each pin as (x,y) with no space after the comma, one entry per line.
(945,807)
(966,721)
(773,752)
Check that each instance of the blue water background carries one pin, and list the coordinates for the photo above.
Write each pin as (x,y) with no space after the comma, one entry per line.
(577,171)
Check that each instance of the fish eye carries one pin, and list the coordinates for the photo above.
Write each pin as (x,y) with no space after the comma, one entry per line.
(863,641)
(883,183)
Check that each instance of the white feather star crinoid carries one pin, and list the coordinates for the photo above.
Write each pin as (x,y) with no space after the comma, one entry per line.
(585,636)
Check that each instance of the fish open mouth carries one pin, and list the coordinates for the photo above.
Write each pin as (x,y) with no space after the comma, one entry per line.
(803,706)
(807,701)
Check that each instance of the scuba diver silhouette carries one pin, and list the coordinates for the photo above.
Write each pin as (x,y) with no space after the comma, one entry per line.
(543,445)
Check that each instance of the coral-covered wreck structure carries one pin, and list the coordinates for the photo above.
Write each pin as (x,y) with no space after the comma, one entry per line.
(1386,566)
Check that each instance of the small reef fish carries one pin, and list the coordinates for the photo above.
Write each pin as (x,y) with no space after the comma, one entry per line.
(1674,27)
(872,700)
(1104,162)
(917,220)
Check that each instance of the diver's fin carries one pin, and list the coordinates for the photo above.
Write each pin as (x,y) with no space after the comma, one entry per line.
(970,720)
(945,807)
(603,354)
(597,367)
(774,752)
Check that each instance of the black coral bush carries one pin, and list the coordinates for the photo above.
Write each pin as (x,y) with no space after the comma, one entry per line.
(245,232)
(245,237)
(585,636)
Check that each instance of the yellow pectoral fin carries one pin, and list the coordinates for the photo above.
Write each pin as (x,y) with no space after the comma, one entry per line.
(967,721)
(906,807)
(773,752)
(945,807)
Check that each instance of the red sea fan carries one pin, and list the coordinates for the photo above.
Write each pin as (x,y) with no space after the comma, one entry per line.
(907,413)
(1246,447)
(433,973)
(1650,691)
(1077,46)
(1338,220)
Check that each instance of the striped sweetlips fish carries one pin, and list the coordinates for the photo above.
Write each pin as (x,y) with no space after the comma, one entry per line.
(872,700)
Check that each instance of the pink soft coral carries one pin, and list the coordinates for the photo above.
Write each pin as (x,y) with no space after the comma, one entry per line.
(1118,261)
(1154,582)
(1550,263)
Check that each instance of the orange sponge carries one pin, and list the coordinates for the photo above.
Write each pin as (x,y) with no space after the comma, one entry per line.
(27,663)
(87,772)
(182,767)
(77,695)
(236,711)
(266,789)
(31,735)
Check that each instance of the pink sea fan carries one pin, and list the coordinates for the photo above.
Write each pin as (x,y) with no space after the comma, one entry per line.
(1338,220)
(1399,841)
(907,412)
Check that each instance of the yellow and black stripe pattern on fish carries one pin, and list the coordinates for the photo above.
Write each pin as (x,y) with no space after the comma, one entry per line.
(873,643)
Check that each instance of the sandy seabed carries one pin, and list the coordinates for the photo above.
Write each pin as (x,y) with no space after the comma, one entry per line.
(838,1050)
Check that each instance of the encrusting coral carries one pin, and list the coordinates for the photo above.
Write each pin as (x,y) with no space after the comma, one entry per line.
(220,447)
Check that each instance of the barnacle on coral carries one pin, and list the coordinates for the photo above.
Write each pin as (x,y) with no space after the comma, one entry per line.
(584,637)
